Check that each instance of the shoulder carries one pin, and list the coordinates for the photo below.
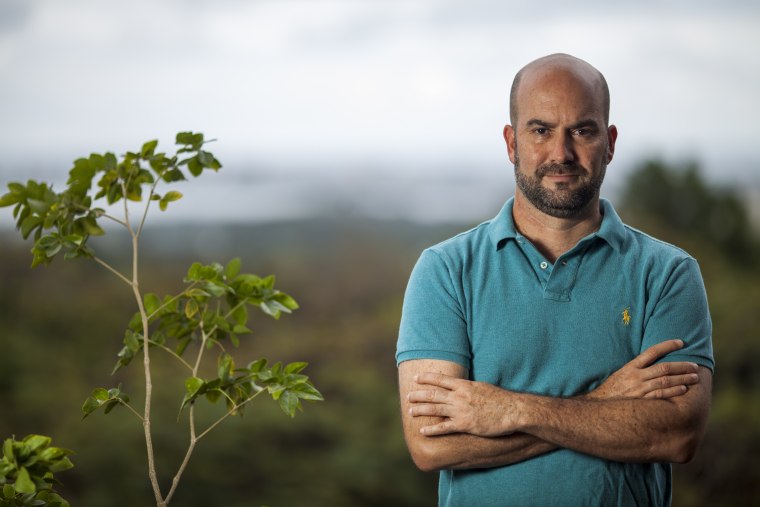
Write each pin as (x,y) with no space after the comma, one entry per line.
(648,247)
(463,246)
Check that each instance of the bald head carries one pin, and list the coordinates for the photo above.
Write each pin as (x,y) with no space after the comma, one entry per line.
(570,65)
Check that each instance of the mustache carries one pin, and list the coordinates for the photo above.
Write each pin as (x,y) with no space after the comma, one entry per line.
(559,169)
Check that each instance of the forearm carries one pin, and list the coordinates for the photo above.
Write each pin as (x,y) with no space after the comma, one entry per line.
(463,451)
(636,430)
(457,450)
(619,430)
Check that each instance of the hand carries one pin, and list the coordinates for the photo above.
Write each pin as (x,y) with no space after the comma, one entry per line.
(639,378)
(471,407)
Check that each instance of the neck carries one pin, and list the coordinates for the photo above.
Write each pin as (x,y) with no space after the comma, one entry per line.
(554,236)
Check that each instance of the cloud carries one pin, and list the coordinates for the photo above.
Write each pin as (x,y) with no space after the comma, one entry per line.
(411,85)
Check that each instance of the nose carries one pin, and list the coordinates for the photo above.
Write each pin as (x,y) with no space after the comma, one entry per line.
(563,150)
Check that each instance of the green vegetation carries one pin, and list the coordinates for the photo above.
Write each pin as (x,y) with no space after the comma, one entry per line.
(210,313)
(26,472)
(349,277)
(675,203)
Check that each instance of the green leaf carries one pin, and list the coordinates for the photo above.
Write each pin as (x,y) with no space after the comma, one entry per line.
(216,289)
(24,483)
(194,273)
(132,340)
(173,175)
(8,491)
(8,200)
(91,226)
(170,196)
(207,160)
(36,441)
(8,449)
(233,268)
(29,224)
(152,303)
(37,206)
(191,308)
(100,394)
(61,465)
(295,367)
(273,308)
(193,385)
(239,329)
(90,405)
(240,315)
(225,366)
(289,403)
(194,141)
(286,301)
(194,166)
(148,148)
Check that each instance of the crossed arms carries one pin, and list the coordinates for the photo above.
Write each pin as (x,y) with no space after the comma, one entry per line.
(643,412)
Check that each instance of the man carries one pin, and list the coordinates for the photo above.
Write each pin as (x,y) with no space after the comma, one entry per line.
(555,356)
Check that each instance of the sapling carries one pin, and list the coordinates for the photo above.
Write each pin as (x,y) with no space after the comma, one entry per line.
(209,313)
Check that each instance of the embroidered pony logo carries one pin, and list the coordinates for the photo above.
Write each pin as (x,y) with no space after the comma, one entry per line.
(626,316)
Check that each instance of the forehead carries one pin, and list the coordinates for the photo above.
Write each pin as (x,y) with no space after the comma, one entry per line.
(559,94)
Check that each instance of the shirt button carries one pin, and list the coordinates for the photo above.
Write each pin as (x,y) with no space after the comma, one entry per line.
(544,265)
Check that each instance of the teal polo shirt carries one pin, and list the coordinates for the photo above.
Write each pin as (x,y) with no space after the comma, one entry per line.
(489,301)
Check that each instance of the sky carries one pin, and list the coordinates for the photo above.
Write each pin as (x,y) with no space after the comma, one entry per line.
(392,108)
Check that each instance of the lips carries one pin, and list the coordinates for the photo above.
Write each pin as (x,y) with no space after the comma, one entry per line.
(558,170)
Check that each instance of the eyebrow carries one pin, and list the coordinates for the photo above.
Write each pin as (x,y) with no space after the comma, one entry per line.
(535,122)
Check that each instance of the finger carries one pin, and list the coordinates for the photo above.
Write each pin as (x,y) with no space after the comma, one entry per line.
(427,396)
(671,381)
(655,352)
(430,410)
(667,368)
(670,392)
(437,379)
(444,428)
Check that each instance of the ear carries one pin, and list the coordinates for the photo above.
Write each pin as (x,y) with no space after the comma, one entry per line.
(612,134)
(509,138)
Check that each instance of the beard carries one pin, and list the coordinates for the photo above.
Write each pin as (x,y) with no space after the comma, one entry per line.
(563,201)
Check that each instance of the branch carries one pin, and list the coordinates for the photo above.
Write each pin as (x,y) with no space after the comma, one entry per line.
(183,465)
(229,413)
(172,299)
(126,210)
(112,269)
(101,214)
(152,475)
(147,204)
(204,338)
(130,408)
(170,351)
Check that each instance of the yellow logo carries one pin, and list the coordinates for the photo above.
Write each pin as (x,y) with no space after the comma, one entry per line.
(626,316)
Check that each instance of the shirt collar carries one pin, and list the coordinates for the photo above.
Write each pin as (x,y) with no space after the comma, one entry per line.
(612,229)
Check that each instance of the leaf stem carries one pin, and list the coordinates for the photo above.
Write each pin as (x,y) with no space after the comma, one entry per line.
(130,408)
(147,204)
(229,413)
(171,300)
(171,352)
(112,269)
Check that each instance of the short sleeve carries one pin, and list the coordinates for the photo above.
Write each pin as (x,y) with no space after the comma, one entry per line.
(681,312)
(433,325)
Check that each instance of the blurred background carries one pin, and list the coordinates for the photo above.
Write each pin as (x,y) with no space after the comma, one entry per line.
(352,134)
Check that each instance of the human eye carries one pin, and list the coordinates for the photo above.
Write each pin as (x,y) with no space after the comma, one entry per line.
(584,131)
